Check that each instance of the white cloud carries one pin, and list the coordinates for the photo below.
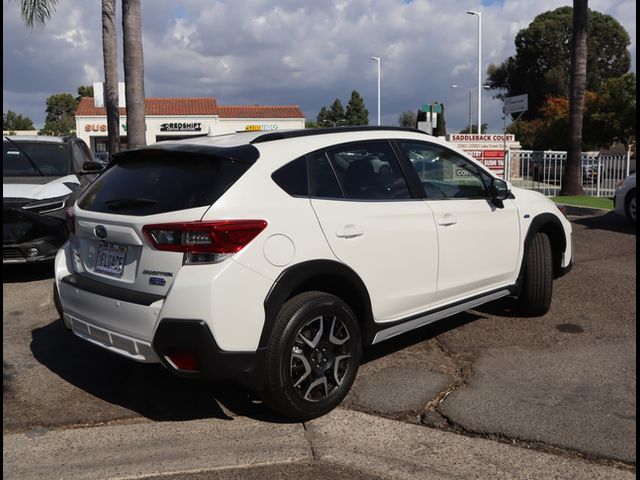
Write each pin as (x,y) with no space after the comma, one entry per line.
(292,51)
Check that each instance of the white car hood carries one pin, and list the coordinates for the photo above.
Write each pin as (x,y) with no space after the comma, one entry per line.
(55,188)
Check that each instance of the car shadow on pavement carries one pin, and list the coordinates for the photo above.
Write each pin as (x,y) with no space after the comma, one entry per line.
(609,221)
(20,273)
(417,336)
(147,389)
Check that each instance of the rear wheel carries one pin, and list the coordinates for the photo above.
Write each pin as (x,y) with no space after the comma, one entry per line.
(630,206)
(313,356)
(537,279)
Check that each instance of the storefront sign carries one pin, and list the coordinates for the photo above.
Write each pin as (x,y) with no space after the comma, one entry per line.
(483,137)
(257,128)
(181,127)
(95,127)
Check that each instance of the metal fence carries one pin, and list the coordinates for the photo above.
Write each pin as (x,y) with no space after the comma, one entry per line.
(543,171)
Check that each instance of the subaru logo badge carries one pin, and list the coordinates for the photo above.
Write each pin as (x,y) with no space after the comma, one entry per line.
(100,231)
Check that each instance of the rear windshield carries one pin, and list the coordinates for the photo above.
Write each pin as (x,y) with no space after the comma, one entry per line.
(34,159)
(146,185)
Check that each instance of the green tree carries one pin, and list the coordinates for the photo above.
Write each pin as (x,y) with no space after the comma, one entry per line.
(356,113)
(84,91)
(541,65)
(408,119)
(60,119)
(614,114)
(12,121)
(572,184)
(474,128)
(334,116)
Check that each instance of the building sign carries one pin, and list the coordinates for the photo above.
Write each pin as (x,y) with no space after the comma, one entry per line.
(492,159)
(181,127)
(483,137)
(486,148)
(258,128)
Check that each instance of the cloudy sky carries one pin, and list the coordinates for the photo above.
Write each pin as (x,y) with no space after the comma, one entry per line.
(303,52)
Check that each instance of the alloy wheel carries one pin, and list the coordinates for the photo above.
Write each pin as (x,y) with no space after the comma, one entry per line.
(321,356)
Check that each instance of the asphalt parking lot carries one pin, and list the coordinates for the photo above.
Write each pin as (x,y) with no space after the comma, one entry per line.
(561,387)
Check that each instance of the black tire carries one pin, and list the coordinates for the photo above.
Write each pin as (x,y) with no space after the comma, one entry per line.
(537,277)
(630,206)
(313,356)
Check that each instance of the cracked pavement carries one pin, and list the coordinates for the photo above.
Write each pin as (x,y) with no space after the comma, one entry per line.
(455,396)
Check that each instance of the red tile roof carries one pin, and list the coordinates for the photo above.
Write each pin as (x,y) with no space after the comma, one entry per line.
(197,106)
(156,106)
(260,111)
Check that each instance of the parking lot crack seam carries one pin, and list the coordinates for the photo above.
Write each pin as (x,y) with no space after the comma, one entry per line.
(308,437)
(460,369)
(448,424)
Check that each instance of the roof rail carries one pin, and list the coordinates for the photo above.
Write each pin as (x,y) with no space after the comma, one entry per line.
(268,137)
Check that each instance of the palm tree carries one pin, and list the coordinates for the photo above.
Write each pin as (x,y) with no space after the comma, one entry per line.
(572,181)
(133,72)
(37,12)
(110,55)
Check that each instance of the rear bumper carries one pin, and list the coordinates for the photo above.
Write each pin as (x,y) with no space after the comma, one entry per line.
(213,362)
(133,325)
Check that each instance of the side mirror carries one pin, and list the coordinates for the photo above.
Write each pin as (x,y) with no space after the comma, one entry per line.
(499,189)
(92,167)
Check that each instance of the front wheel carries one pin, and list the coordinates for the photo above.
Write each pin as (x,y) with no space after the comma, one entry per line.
(313,356)
(537,279)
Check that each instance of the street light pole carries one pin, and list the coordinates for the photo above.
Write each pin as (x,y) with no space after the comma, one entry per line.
(377,59)
(479,15)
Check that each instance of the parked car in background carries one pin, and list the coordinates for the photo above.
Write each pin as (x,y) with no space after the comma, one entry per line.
(275,258)
(624,200)
(40,174)
(103,157)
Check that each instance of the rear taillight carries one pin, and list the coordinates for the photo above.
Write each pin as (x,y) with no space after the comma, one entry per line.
(70,221)
(218,237)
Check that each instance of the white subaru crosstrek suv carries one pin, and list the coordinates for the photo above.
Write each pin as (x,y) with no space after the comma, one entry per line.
(275,258)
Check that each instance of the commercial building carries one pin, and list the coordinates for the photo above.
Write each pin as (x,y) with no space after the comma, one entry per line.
(176,118)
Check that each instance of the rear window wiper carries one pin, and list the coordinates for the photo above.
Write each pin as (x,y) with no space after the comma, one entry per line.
(33,164)
(125,203)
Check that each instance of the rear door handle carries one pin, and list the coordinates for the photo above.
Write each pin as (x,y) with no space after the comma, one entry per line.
(350,231)
(447,220)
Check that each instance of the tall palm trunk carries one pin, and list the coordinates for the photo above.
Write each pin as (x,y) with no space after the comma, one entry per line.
(133,72)
(572,184)
(110,55)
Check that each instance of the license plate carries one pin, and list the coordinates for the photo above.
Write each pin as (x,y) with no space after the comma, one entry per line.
(110,258)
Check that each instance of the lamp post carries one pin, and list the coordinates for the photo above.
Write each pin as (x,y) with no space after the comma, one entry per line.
(485,87)
(479,15)
(469,90)
(377,59)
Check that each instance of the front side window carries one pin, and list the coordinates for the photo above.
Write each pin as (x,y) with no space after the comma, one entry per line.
(34,159)
(368,171)
(443,173)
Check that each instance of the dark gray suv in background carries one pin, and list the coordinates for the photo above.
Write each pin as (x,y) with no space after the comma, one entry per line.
(40,174)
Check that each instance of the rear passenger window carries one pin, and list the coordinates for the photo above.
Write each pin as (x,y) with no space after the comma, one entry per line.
(368,170)
(322,179)
(292,178)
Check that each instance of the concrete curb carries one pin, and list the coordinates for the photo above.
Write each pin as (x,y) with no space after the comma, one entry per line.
(583,211)
(363,442)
